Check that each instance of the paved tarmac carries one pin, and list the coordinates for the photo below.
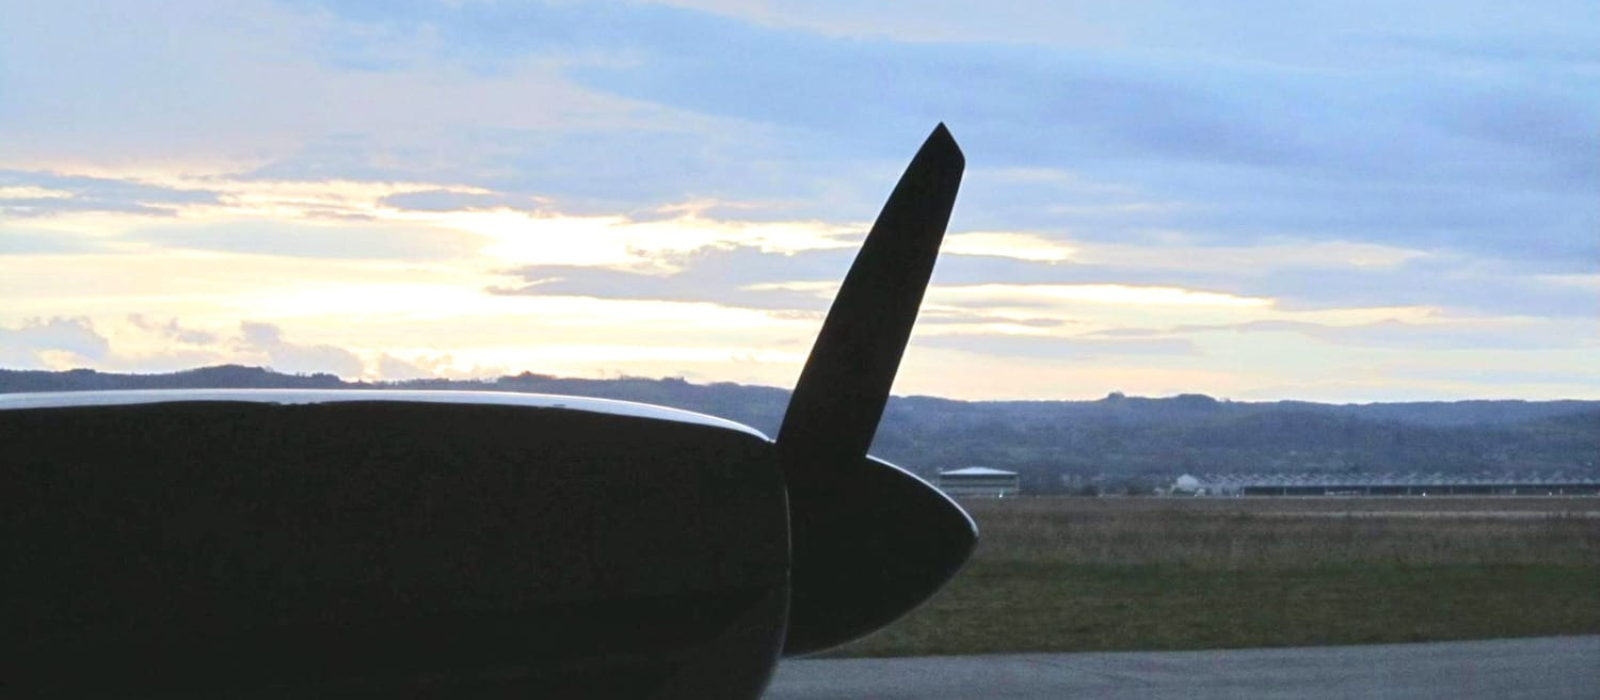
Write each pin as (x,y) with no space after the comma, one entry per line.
(1544,668)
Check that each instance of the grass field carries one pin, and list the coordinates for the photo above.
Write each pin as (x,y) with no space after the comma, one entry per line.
(1096,574)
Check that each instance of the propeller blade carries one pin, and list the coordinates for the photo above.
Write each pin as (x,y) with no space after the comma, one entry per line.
(845,384)
(869,541)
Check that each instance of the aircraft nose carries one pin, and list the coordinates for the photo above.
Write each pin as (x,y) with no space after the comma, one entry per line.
(868,544)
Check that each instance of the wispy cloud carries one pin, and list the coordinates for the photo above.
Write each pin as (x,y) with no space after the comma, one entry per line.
(1056,347)
(1394,333)
(284,356)
(56,343)
(360,241)
(171,329)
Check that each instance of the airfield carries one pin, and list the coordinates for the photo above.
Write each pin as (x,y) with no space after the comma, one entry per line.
(1184,574)
(1546,668)
(1406,598)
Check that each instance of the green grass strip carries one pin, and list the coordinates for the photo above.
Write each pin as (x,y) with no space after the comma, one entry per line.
(1002,607)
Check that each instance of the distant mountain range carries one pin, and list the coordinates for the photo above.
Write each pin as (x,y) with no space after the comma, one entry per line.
(1057,445)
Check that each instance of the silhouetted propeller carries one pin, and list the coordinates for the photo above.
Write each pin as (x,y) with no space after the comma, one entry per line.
(290,543)
(869,541)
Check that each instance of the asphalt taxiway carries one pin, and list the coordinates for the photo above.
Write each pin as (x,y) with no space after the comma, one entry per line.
(1543,668)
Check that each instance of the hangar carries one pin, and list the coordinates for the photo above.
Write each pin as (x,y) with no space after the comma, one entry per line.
(979,481)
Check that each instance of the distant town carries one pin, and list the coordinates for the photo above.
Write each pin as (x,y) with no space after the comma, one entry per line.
(981,482)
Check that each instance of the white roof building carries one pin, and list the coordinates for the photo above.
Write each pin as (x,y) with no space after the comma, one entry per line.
(979,481)
(976,471)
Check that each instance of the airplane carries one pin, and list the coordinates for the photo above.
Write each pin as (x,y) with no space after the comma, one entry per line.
(291,543)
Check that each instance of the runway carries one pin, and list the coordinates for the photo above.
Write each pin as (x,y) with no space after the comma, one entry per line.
(1543,668)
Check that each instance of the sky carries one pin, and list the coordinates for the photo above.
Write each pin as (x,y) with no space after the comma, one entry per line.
(1346,201)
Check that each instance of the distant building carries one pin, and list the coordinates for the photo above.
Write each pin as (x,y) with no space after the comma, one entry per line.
(979,481)
(1390,484)
(1187,485)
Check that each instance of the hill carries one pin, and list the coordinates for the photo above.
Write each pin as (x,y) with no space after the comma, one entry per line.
(1056,444)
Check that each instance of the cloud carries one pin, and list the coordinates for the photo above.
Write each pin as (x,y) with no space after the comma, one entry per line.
(267,339)
(737,276)
(395,369)
(731,68)
(1246,148)
(447,201)
(349,241)
(54,194)
(1457,283)
(172,330)
(63,343)
(56,343)
(1326,162)
(1230,132)
(744,276)
(946,317)
(1054,347)
(1394,333)
(1460,285)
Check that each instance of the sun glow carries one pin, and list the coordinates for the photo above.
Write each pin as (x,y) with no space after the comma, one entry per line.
(1021,246)
(549,238)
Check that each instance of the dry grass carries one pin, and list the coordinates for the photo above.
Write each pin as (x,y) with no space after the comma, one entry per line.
(1274,533)
(1146,573)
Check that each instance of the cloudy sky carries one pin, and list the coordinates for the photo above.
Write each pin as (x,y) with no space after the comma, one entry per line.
(1353,200)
